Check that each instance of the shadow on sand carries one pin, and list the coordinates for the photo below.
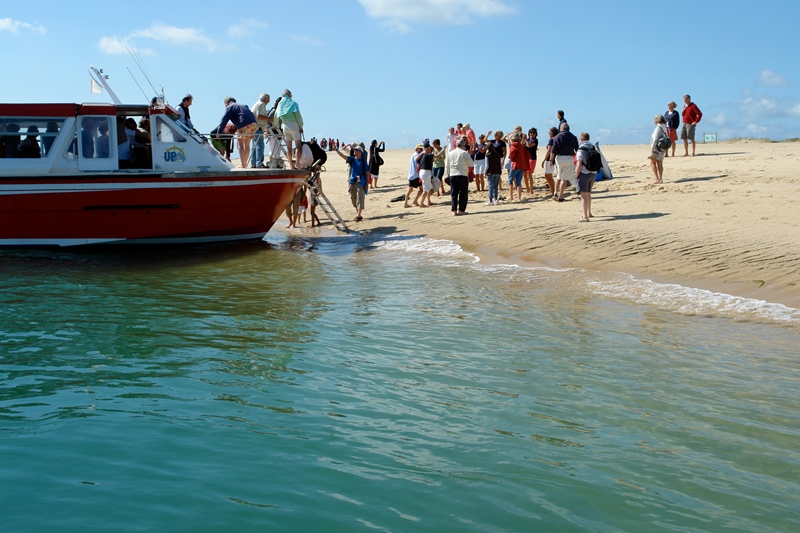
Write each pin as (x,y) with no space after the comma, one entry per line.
(640,216)
(701,178)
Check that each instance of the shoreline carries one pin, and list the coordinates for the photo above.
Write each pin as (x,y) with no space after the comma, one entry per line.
(719,222)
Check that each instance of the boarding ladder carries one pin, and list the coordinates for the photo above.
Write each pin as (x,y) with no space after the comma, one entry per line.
(323,202)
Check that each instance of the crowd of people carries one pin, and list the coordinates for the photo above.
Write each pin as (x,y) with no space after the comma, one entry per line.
(465,158)
(255,128)
(329,144)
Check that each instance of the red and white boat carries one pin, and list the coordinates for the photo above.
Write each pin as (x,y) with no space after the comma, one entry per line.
(181,191)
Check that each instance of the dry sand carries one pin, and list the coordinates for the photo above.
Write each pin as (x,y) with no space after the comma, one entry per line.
(722,220)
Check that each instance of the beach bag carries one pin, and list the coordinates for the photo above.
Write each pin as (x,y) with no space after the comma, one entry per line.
(664,143)
(593,160)
(378,158)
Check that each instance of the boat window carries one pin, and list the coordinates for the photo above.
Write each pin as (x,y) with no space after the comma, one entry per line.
(28,136)
(95,137)
(168,133)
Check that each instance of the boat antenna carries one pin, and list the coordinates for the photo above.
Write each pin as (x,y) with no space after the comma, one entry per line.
(99,78)
(140,63)
(137,84)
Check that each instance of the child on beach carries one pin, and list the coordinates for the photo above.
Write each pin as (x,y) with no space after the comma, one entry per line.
(304,205)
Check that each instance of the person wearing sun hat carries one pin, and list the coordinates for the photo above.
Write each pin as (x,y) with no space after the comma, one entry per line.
(359,171)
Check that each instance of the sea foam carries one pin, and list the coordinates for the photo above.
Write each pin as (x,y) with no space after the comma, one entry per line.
(615,285)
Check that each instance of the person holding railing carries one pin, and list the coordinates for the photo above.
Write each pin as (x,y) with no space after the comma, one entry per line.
(244,120)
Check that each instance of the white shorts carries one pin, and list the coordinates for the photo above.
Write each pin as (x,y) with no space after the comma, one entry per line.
(291,131)
(565,169)
(480,166)
(548,167)
(426,177)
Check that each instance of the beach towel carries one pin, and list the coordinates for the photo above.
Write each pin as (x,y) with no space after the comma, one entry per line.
(286,106)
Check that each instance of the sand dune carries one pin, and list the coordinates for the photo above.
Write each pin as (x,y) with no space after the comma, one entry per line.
(722,220)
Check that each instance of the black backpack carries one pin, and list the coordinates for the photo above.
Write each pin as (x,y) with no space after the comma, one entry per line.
(663,144)
(594,160)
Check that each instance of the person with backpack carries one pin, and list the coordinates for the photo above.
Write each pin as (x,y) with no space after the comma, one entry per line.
(588,162)
(659,144)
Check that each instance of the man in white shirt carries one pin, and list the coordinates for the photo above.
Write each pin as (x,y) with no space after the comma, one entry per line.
(259,109)
(457,166)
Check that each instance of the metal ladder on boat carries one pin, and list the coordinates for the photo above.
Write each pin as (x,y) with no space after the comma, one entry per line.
(324,203)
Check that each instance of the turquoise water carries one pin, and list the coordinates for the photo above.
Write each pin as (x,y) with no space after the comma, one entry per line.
(359,384)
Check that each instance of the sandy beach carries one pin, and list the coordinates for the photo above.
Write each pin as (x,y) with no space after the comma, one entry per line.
(721,221)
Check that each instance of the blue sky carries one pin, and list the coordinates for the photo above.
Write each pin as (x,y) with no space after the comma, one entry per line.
(400,70)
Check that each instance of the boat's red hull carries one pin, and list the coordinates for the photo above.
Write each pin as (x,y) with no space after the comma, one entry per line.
(65,211)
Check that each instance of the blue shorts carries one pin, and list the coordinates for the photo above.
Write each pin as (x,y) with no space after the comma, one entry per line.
(515,177)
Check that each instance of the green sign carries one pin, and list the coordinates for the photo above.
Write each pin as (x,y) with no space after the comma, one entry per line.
(709,137)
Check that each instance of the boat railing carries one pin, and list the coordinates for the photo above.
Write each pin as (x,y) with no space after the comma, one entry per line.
(274,146)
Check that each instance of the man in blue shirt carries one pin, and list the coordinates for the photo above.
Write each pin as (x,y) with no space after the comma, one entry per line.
(565,145)
(358,177)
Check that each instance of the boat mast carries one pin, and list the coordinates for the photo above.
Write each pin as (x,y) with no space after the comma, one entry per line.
(100,78)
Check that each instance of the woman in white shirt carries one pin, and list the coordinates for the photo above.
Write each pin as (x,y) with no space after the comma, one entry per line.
(657,155)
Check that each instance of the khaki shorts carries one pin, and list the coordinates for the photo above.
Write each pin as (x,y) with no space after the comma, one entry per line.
(291,131)
(565,168)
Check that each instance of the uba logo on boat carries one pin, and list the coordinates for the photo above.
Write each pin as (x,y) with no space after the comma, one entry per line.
(174,155)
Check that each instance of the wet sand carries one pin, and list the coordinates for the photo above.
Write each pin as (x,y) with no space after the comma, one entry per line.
(722,220)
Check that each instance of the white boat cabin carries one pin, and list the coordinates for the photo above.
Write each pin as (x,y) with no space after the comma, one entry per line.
(59,139)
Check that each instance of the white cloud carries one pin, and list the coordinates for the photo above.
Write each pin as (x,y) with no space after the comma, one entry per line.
(755,129)
(756,107)
(399,13)
(179,36)
(771,79)
(114,45)
(15,26)
(184,37)
(720,119)
(246,28)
